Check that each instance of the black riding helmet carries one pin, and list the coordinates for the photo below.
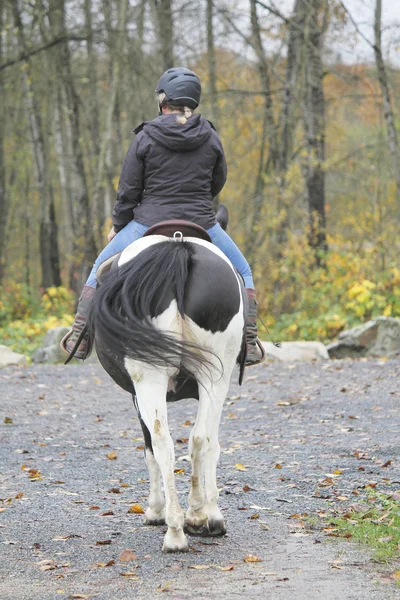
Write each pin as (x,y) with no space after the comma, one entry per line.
(181,87)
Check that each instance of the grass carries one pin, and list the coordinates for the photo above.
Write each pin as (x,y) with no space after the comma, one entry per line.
(376,526)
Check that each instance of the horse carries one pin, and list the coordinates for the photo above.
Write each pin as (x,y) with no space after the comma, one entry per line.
(169,323)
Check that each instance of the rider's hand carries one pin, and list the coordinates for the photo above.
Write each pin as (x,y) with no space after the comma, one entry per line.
(111,235)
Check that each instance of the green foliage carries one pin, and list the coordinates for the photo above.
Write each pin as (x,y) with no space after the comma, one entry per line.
(305,302)
(376,526)
(25,319)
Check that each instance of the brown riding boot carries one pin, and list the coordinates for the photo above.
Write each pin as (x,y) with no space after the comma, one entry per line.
(69,340)
(255,351)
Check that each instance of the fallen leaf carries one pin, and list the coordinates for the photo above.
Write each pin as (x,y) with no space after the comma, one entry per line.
(278,466)
(132,575)
(19,496)
(228,568)
(114,491)
(127,556)
(387,463)
(125,485)
(103,543)
(94,507)
(109,513)
(338,472)
(8,420)
(80,596)
(136,509)
(251,558)
(2,509)
(139,447)
(179,471)
(112,455)
(240,467)
(199,567)
(165,587)
(255,516)
(108,564)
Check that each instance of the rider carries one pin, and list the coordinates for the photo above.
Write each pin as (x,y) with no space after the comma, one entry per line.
(172,170)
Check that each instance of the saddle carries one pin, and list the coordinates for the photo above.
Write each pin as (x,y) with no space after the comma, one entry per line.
(166,228)
(187,229)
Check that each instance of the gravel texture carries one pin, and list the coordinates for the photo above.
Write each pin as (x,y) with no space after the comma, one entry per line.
(283,436)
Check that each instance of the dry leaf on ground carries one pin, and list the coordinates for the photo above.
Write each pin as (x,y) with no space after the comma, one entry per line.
(136,509)
(251,558)
(112,455)
(127,556)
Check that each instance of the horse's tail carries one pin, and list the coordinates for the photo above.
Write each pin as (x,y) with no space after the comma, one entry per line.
(126,297)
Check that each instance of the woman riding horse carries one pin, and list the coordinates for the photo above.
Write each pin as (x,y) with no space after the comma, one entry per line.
(172,170)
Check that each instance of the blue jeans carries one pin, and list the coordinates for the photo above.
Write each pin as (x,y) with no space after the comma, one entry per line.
(133,231)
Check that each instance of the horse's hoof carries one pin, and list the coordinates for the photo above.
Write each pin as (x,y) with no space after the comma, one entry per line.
(175,541)
(196,530)
(153,518)
(216,528)
(212,528)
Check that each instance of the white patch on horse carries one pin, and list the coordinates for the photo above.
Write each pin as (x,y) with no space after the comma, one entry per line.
(151,385)
(204,449)
(136,247)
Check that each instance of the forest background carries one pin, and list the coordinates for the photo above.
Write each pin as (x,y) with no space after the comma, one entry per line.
(311,141)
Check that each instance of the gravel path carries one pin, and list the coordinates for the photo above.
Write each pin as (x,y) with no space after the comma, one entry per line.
(282,440)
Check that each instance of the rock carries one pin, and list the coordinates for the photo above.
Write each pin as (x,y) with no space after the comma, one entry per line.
(377,338)
(8,357)
(50,352)
(296,351)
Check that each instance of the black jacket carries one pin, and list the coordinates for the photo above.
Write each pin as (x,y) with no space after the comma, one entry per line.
(171,171)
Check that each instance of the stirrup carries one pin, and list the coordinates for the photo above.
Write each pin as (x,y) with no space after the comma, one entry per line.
(263,355)
(77,344)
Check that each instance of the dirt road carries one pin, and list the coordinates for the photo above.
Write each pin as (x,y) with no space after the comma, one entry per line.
(299,440)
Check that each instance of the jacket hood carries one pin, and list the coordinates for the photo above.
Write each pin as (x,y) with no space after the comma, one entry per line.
(166,130)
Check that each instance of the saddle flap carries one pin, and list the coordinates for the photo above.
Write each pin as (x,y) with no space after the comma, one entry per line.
(169,228)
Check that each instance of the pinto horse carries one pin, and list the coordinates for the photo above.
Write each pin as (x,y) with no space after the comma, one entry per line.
(169,324)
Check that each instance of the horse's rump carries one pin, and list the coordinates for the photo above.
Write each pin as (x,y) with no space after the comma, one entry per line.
(191,278)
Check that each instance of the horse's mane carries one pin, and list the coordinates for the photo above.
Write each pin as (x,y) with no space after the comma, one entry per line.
(128,297)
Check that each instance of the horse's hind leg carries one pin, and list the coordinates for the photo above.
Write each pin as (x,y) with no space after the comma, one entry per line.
(204,516)
(151,386)
(155,513)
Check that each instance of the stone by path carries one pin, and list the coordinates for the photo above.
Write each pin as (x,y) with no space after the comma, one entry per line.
(283,436)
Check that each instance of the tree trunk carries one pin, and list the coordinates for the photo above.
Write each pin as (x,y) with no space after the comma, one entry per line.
(114,85)
(49,255)
(269,133)
(3,197)
(314,117)
(92,102)
(387,102)
(162,17)
(293,66)
(212,67)
(84,246)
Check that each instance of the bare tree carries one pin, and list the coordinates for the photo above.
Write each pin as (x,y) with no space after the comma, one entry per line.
(212,66)
(83,243)
(49,254)
(3,197)
(314,119)
(162,17)
(387,101)
(111,103)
